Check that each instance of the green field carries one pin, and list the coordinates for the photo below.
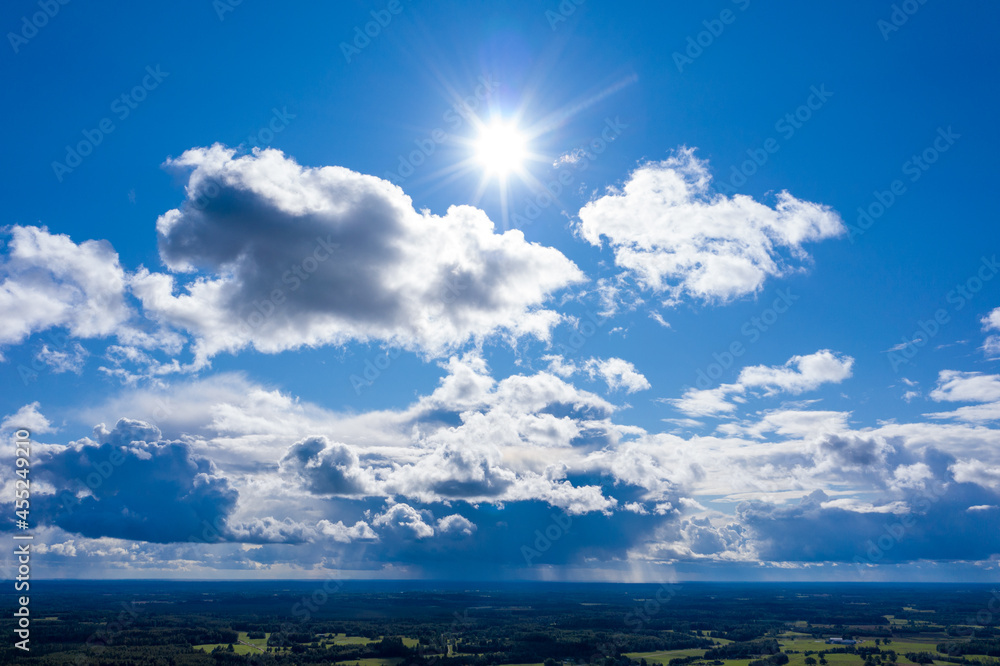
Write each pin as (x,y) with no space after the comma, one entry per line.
(666,655)
(798,642)
(376,661)
(255,645)
(832,659)
(790,641)
(983,658)
(344,639)
(801,643)
(910,645)
(260,645)
(902,622)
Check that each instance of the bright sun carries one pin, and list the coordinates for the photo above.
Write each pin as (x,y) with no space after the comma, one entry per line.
(501,148)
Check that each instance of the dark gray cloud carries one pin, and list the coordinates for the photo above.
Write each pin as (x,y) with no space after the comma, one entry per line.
(136,487)
(855,451)
(328,468)
(936,524)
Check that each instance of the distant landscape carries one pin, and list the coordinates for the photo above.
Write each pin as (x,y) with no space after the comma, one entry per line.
(449,624)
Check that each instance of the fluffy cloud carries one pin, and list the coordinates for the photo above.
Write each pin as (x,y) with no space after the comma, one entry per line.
(854,452)
(677,238)
(329,468)
(954,386)
(456,525)
(702,538)
(789,423)
(69,359)
(473,439)
(50,281)
(707,402)
(28,417)
(799,374)
(269,530)
(293,256)
(404,519)
(991,322)
(456,470)
(468,473)
(359,531)
(617,373)
(131,484)
(975,471)
(971,413)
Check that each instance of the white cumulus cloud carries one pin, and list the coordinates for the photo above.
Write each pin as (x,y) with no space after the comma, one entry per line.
(285,256)
(677,238)
(50,281)
(618,374)
(800,373)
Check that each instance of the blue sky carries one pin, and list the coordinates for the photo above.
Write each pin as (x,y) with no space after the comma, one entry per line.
(730,315)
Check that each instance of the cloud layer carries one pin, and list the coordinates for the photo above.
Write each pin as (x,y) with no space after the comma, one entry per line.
(474,471)
(534,470)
